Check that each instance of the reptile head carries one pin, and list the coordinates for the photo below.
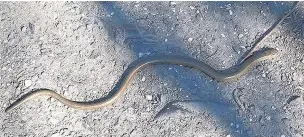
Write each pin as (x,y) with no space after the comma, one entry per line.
(266,53)
(269,52)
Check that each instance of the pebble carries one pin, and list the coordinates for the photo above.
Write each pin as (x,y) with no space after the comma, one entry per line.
(173,10)
(63,131)
(263,75)
(4,68)
(190,39)
(27,83)
(143,78)
(241,35)
(268,117)
(23,28)
(302,60)
(140,54)
(172,3)
(230,12)
(149,97)
(223,35)
(56,135)
(228,136)
(136,5)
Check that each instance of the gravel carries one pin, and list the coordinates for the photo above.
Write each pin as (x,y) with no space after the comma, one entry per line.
(80,50)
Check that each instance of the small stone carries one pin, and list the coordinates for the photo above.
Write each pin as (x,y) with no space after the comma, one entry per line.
(143,78)
(228,6)
(63,131)
(23,28)
(140,54)
(223,35)
(230,12)
(148,109)
(191,7)
(53,120)
(173,10)
(263,75)
(172,3)
(149,97)
(302,60)
(136,5)
(241,35)
(190,39)
(112,13)
(166,40)
(228,136)
(56,135)
(27,83)
(282,135)
(4,68)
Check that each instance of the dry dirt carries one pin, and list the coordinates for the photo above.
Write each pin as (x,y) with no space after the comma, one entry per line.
(80,50)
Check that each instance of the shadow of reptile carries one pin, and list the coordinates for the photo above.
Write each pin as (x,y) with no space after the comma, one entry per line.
(125,33)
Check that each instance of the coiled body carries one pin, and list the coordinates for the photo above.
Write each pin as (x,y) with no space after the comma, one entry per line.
(140,63)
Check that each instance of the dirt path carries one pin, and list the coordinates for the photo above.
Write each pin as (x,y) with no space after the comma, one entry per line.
(80,50)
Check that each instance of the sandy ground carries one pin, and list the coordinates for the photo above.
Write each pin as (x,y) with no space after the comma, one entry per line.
(80,50)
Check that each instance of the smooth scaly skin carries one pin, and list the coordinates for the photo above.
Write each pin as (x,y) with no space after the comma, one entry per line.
(135,66)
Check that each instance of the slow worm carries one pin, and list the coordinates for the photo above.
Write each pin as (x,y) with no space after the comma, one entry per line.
(219,75)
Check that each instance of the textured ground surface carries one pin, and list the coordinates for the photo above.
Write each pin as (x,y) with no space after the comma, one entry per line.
(80,50)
